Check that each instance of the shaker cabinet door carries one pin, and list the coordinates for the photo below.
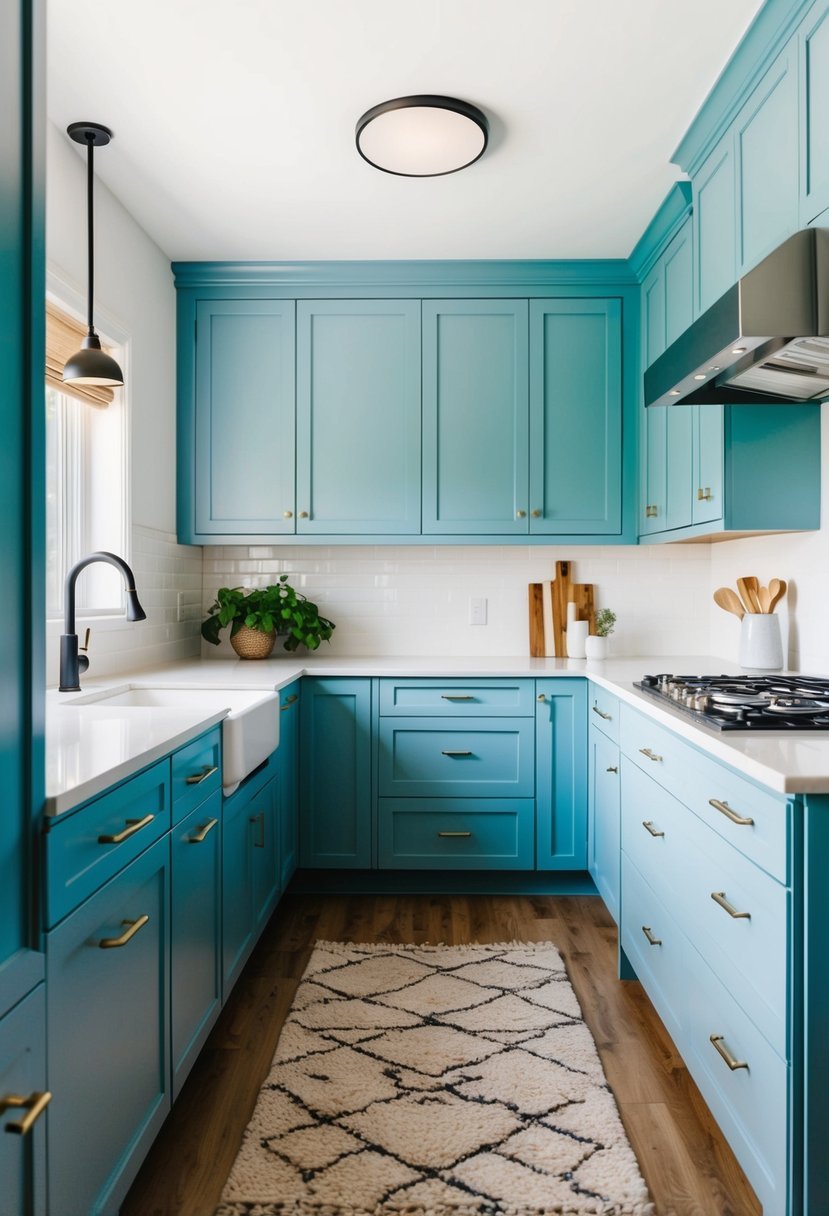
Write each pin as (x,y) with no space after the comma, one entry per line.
(561,775)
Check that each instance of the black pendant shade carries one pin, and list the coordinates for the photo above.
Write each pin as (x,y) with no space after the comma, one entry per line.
(91,365)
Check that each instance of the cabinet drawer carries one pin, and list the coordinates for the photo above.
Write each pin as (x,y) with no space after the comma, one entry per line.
(422,758)
(750,1104)
(196,772)
(23,1072)
(655,946)
(604,712)
(456,834)
(457,698)
(80,858)
(657,751)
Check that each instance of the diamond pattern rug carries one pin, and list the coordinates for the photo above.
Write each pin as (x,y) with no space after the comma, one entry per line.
(435,1081)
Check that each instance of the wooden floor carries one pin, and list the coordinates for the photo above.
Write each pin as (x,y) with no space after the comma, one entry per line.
(688,1166)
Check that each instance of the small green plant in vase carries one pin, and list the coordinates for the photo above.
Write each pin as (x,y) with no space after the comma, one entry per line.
(595,646)
(256,615)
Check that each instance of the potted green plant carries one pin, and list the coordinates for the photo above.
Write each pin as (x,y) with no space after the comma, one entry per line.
(256,615)
(595,646)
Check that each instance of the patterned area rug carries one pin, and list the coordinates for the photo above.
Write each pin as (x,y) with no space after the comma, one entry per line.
(435,1081)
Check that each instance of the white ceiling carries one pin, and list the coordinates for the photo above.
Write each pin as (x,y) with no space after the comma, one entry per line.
(234,119)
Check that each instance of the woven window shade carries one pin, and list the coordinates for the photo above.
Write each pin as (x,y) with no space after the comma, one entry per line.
(63,338)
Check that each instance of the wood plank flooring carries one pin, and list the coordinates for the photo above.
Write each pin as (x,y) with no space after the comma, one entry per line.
(688,1166)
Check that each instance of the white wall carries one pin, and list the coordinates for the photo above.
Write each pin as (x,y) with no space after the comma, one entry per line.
(134,296)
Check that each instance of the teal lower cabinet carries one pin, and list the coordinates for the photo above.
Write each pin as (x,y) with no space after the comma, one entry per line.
(456,833)
(561,774)
(288,760)
(23,1096)
(336,785)
(603,805)
(108,1032)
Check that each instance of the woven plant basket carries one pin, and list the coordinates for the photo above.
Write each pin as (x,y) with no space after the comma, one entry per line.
(253,643)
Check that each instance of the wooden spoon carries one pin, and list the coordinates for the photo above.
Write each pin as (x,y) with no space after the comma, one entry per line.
(747,588)
(777,589)
(725,598)
(764,597)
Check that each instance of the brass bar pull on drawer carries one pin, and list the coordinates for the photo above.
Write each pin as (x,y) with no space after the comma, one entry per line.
(456,753)
(114,943)
(133,826)
(601,713)
(647,824)
(719,898)
(34,1105)
(455,835)
(726,810)
(446,696)
(717,1040)
(652,941)
(207,771)
(289,702)
(202,832)
(646,751)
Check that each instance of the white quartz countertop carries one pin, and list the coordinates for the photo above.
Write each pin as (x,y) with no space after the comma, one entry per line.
(90,748)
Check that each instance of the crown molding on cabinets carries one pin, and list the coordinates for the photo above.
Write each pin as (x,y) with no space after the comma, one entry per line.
(661,230)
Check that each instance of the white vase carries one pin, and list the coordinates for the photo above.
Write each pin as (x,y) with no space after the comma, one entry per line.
(760,644)
(576,638)
(595,647)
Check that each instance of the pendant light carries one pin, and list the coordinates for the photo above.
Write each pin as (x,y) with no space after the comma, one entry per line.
(422,136)
(91,365)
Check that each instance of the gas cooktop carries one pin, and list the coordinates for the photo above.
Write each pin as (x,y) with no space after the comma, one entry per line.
(745,702)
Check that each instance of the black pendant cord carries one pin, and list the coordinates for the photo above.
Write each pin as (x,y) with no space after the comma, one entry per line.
(90,148)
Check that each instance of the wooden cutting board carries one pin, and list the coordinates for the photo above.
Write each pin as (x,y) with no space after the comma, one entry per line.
(564,593)
(536,595)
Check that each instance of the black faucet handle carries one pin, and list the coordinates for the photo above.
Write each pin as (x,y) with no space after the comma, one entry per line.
(85,646)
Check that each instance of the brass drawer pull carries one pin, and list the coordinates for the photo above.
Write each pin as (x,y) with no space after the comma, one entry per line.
(114,943)
(601,713)
(133,826)
(646,751)
(457,753)
(717,1040)
(202,832)
(613,768)
(719,898)
(446,696)
(455,835)
(207,771)
(260,819)
(289,702)
(726,810)
(34,1105)
(648,825)
(652,941)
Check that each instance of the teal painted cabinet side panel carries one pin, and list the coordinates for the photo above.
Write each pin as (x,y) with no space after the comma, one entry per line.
(358,416)
(760,441)
(336,794)
(23,1071)
(288,763)
(576,416)
(475,416)
(768,163)
(814,107)
(604,828)
(108,1037)
(715,225)
(244,416)
(561,775)
(707,485)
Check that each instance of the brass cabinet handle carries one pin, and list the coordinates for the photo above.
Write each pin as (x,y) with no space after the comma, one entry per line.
(287,515)
(651,511)
(652,941)
(520,514)
(733,1064)
(704,495)
(288,702)
(202,832)
(260,819)
(648,824)
(456,753)
(457,835)
(646,751)
(612,768)
(448,696)
(541,697)
(34,1105)
(303,515)
(726,810)
(601,713)
(537,513)
(207,771)
(719,898)
(133,826)
(114,943)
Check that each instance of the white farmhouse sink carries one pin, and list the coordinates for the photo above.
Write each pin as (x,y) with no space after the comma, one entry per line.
(250,732)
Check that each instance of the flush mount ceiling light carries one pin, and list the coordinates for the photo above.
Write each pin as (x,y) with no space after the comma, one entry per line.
(422,136)
(91,365)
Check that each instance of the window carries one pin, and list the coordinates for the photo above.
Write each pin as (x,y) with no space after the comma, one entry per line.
(85,478)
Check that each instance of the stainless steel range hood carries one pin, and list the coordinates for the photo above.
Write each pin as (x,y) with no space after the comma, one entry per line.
(765,340)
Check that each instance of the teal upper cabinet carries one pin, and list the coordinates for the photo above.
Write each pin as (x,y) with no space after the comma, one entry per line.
(715,224)
(358,416)
(475,418)
(654,423)
(814,108)
(576,416)
(243,425)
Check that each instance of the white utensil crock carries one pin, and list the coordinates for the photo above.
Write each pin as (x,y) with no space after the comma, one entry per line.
(760,643)
(576,637)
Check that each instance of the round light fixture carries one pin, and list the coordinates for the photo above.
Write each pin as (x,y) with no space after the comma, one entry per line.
(422,136)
